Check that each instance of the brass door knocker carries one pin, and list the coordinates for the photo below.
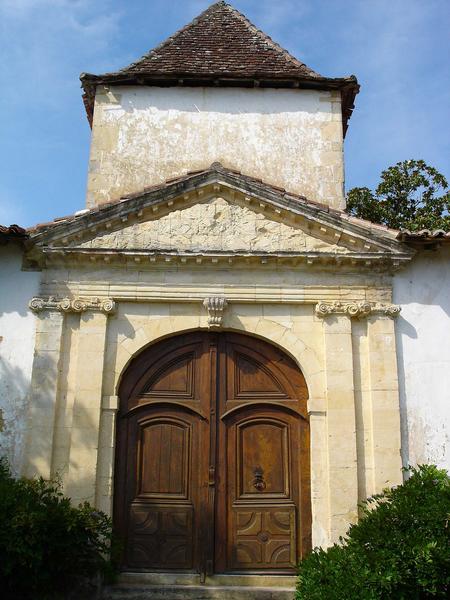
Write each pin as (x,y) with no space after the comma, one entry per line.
(258,481)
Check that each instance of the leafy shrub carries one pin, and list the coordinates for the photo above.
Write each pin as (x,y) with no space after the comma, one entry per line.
(48,548)
(400,549)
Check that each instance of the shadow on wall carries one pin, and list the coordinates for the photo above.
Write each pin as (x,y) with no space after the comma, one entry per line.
(14,402)
(65,439)
(231,101)
(423,349)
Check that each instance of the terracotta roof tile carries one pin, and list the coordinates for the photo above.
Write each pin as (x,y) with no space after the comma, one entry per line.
(218,47)
(13,232)
(424,237)
(220,40)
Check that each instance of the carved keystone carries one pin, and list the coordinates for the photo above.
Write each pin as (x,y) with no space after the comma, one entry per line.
(215,305)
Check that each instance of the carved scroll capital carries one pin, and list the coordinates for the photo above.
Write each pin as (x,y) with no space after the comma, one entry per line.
(356,309)
(215,305)
(72,305)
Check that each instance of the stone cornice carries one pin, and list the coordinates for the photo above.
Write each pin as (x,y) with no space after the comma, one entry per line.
(356,309)
(151,259)
(72,305)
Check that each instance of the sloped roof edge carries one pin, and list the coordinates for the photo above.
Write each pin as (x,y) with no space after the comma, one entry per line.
(217,173)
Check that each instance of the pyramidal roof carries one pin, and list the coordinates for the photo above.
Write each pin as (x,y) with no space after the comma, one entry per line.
(220,47)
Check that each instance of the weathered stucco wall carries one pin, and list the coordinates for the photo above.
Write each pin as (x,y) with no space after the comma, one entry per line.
(423,341)
(143,136)
(17,334)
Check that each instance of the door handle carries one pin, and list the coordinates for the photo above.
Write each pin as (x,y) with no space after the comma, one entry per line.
(212,476)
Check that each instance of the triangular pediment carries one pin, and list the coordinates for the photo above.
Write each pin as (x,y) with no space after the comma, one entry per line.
(218,212)
(218,225)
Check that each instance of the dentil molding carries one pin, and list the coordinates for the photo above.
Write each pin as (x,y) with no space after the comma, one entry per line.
(356,309)
(73,305)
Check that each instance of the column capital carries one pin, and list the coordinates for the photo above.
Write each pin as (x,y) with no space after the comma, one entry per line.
(356,309)
(72,305)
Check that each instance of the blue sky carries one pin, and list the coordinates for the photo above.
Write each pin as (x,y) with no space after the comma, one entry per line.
(399,50)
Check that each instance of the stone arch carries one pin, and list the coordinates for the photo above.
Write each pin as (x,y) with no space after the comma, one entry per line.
(276,333)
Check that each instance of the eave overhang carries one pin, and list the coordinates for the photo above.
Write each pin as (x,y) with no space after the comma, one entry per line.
(348,86)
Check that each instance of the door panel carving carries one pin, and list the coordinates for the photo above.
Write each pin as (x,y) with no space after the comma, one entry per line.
(174,379)
(161,537)
(212,457)
(263,538)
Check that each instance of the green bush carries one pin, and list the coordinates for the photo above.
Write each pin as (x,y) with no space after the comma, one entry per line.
(48,548)
(400,549)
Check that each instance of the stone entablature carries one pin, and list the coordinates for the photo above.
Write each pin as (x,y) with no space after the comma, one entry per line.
(215,305)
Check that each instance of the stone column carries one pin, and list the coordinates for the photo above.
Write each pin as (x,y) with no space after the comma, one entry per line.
(44,391)
(81,477)
(385,408)
(341,428)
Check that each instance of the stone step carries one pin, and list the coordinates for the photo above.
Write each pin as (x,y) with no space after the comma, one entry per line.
(195,592)
(264,581)
(187,586)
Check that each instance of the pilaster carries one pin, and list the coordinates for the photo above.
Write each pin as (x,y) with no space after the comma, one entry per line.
(341,428)
(81,477)
(44,392)
(386,440)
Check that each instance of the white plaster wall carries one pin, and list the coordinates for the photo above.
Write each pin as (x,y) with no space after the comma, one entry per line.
(145,135)
(17,331)
(423,341)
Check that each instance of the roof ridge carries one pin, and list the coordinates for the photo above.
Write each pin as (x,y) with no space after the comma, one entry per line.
(169,39)
(251,26)
(266,37)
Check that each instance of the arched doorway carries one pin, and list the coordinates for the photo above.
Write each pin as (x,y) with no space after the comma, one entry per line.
(212,457)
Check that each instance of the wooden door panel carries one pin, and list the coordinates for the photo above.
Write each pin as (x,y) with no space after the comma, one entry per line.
(262,481)
(252,380)
(262,459)
(175,379)
(164,459)
(263,538)
(160,536)
(163,489)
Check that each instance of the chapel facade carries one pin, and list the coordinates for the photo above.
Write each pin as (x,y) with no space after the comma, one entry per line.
(215,359)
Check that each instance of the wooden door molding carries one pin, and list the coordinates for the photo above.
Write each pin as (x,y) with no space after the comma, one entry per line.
(212,457)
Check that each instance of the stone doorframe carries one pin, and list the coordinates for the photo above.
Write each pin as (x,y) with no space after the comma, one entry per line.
(346,351)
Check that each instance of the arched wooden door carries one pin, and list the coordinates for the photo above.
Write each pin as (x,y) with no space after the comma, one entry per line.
(212,457)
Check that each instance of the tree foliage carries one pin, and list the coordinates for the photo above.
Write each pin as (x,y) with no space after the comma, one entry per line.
(399,550)
(48,548)
(411,195)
